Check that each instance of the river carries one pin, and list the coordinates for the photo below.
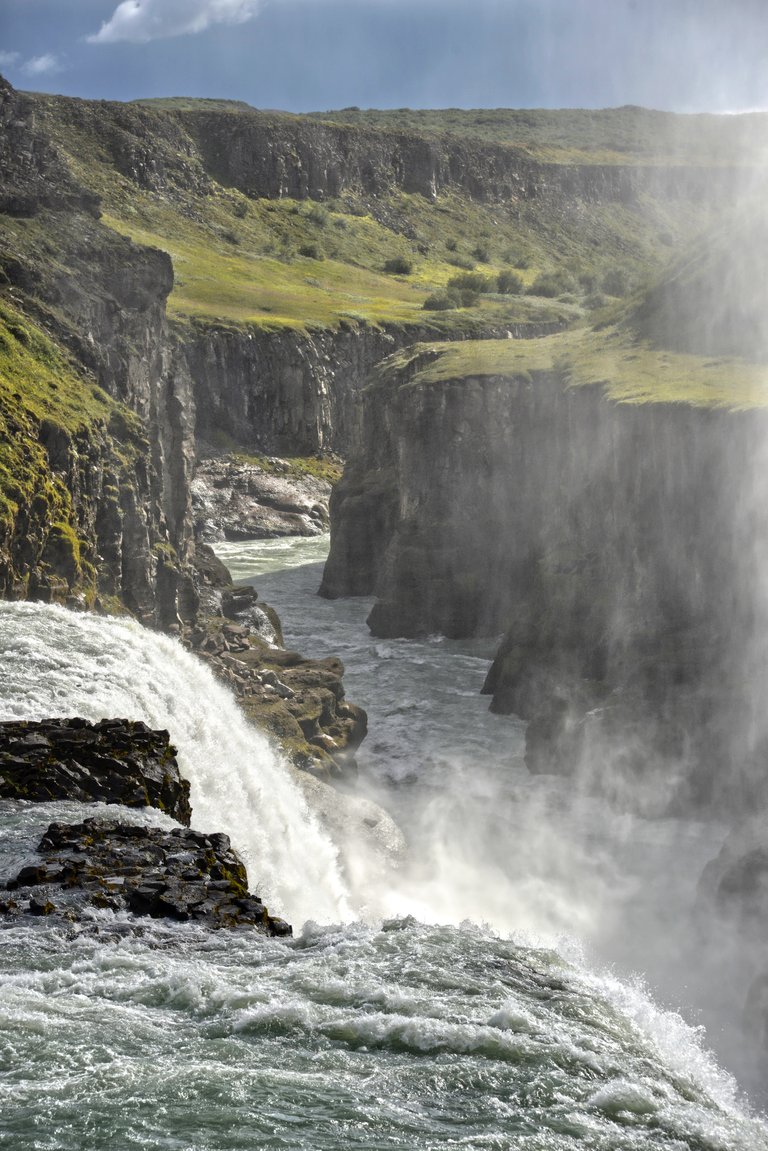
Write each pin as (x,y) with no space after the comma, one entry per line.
(484,997)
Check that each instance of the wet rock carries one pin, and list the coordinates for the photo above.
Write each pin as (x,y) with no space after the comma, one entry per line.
(101,864)
(114,760)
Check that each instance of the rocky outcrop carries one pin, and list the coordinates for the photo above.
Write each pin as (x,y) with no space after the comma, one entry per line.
(100,864)
(237,500)
(299,702)
(619,545)
(295,392)
(102,298)
(114,760)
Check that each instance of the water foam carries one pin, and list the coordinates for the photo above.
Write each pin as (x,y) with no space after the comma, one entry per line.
(59,663)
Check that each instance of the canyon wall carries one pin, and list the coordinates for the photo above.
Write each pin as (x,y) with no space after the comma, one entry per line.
(619,547)
(101,298)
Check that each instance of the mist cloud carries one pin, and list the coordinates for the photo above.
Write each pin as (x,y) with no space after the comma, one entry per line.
(8,58)
(139,21)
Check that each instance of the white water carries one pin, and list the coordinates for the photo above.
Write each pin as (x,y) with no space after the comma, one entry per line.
(58,663)
(378,1036)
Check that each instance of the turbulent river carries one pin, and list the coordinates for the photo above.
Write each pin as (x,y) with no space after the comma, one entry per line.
(478,994)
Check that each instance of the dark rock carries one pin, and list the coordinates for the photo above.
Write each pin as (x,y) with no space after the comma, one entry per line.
(617,545)
(109,864)
(117,761)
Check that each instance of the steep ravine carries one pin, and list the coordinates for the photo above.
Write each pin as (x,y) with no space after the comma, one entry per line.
(619,546)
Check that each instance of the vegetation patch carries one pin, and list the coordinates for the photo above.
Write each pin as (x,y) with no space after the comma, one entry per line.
(45,399)
(327,467)
(629,370)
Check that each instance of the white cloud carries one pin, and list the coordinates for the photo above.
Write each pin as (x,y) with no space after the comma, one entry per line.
(41,65)
(142,20)
(8,58)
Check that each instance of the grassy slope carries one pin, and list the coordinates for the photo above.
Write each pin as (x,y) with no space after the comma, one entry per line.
(629,370)
(698,335)
(240,261)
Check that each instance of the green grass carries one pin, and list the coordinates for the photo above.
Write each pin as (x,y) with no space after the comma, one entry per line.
(38,382)
(627,135)
(328,468)
(238,261)
(629,371)
(248,271)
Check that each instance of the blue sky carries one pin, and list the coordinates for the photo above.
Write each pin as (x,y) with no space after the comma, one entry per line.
(307,55)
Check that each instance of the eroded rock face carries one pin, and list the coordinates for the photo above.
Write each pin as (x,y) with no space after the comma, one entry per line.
(299,702)
(115,760)
(237,500)
(602,538)
(181,875)
(102,298)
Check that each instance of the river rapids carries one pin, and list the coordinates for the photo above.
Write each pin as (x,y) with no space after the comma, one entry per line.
(477,994)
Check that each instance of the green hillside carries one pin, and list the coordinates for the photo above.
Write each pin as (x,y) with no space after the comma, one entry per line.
(585,136)
(396,259)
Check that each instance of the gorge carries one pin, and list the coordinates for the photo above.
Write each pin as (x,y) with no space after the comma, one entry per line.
(543,366)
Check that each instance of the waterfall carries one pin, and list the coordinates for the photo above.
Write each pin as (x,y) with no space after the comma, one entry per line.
(58,663)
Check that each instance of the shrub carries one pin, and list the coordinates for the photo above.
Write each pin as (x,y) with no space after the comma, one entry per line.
(461,262)
(399,266)
(240,210)
(614,282)
(318,215)
(551,284)
(521,260)
(474,282)
(509,283)
(481,253)
(451,245)
(311,251)
(441,302)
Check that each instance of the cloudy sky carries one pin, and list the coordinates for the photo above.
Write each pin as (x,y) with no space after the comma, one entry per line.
(306,55)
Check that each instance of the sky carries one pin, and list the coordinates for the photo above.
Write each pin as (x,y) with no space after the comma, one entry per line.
(315,55)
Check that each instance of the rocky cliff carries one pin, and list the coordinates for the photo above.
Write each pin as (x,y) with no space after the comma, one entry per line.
(117,369)
(100,300)
(265,155)
(619,545)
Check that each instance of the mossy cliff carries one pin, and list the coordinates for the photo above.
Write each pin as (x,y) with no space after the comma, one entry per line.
(172,272)
(96,405)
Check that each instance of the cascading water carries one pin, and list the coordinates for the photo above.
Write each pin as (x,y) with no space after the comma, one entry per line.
(58,663)
(378,1036)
